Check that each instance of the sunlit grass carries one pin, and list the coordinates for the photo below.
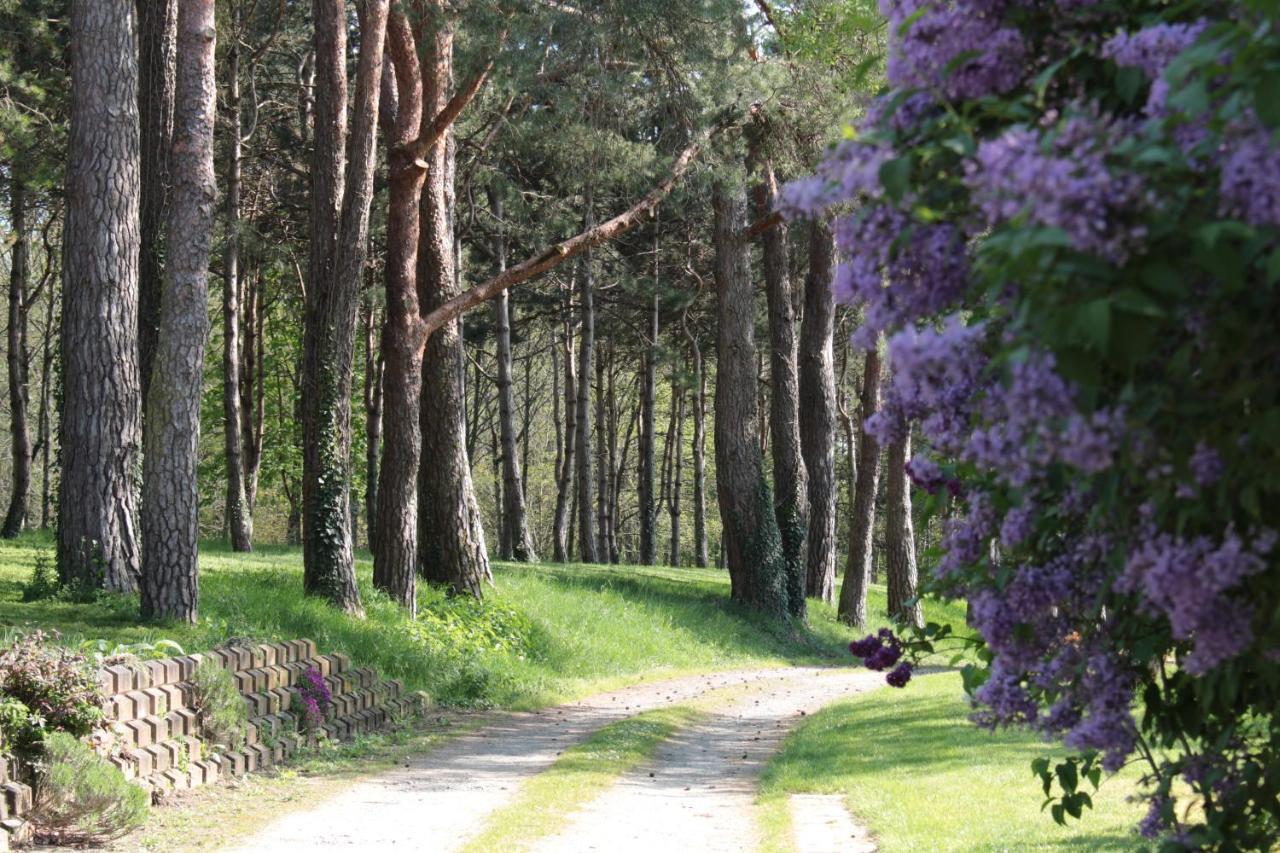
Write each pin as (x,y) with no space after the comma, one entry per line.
(544,634)
(921,777)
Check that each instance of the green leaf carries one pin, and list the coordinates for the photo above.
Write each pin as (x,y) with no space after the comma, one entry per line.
(895,176)
(1067,776)
(1058,816)
(1093,320)
(1266,98)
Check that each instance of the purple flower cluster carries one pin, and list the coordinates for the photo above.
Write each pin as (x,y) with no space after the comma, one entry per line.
(1206,465)
(879,652)
(850,170)
(1152,48)
(1193,582)
(962,48)
(1249,187)
(936,375)
(1061,180)
(897,269)
(316,697)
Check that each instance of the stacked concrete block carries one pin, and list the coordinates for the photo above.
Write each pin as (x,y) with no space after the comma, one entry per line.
(155,736)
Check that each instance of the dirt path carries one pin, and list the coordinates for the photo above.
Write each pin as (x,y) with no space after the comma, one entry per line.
(702,783)
(698,791)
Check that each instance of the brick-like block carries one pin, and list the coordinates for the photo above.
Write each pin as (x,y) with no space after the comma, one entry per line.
(143,760)
(158,699)
(174,697)
(234,763)
(176,778)
(122,676)
(156,673)
(161,758)
(139,732)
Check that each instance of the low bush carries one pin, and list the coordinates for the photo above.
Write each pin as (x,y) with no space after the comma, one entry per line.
(220,706)
(80,796)
(44,581)
(55,685)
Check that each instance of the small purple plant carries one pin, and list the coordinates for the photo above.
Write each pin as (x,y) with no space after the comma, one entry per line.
(316,697)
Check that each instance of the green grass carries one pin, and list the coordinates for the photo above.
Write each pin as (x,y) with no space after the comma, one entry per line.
(544,634)
(923,778)
(546,801)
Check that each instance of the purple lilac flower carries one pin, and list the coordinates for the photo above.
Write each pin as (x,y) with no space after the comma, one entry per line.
(1250,178)
(962,48)
(865,647)
(1206,465)
(1152,826)
(1152,48)
(1018,525)
(936,374)
(1192,581)
(926,473)
(1061,180)
(851,169)
(1108,724)
(900,676)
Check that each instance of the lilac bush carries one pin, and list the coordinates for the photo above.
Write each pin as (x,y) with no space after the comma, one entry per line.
(1064,216)
(316,698)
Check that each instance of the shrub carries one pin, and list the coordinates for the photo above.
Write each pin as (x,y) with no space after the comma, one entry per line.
(56,686)
(44,581)
(315,697)
(219,705)
(82,796)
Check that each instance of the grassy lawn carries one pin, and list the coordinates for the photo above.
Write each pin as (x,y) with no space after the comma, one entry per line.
(922,778)
(546,633)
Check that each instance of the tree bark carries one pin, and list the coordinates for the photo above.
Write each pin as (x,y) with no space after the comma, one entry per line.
(514,514)
(341,192)
(604,366)
(45,439)
(790,481)
(100,427)
(372,419)
(678,396)
(818,413)
(565,473)
(451,542)
(171,500)
(586,350)
(18,360)
(862,519)
(648,437)
(900,546)
(701,557)
(757,569)
(239,518)
(157,61)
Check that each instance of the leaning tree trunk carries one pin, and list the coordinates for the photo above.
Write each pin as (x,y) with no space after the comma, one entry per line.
(757,568)
(100,426)
(395,556)
(900,545)
(157,45)
(862,518)
(514,514)
(239,518)
(818,413)
(170,497)
(16,518)
(341,193)
(586,349)
(451,542)
(648,437)
(790,482)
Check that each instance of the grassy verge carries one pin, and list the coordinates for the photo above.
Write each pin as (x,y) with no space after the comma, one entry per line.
(546,801)
(546,633)
(923,778)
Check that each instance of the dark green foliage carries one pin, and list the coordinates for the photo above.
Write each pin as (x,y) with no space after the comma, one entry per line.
(44,581)
(54,684)
(80,796)
(219,705)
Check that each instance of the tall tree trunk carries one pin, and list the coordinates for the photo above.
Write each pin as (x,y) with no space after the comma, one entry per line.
(171,499)
(239,518)
(862,518)
(790,482)
(678,396)
(648,437)
(900,545)
(395,556)
(372,418)
(252,392)
(100,426)
(565,474)
(514,514)
(451,543)
(341,192)
(46,408)
(603,367)
(613,473)
(818,413)
(16,518)
(157,46)
(701,557)
(586,350)
(757,569)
